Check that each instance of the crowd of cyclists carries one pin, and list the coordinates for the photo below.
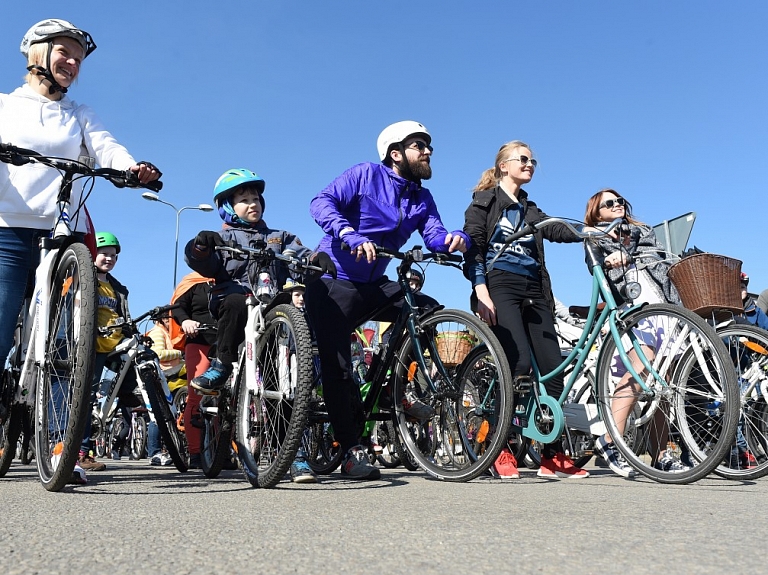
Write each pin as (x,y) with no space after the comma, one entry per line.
(371,204)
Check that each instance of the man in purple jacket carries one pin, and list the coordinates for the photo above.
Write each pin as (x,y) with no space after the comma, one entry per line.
(369,204)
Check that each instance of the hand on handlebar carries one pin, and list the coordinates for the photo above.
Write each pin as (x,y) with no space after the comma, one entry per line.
(324,262)
(616,260)
(189,327)
(208,240)
(455,242)
(146,172)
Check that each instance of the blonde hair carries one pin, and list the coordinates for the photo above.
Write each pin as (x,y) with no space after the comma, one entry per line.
(37,56)
(491,177)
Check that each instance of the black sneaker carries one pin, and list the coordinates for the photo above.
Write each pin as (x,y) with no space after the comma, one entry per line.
(613,458)
(356,464)
(214,379)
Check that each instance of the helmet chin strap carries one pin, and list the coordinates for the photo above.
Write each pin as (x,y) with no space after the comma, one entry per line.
(404,167)
(45,73)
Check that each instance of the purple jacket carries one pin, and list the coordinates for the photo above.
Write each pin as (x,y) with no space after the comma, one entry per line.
(381,207)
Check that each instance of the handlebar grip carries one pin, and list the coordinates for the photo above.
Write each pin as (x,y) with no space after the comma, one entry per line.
(155,186)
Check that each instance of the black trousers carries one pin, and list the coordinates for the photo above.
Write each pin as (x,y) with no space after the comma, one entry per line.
(336,308)
(524,319)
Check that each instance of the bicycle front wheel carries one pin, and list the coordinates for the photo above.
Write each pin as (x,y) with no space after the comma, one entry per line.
(464,415)
(748,349)
(65,374)
(272,414)
(684,424)
(173,439)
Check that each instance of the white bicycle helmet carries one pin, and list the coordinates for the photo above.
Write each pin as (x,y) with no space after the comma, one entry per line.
(53,28)
(397,132)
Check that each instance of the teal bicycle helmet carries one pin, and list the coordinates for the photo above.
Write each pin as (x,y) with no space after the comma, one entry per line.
(105,239)
(230,180)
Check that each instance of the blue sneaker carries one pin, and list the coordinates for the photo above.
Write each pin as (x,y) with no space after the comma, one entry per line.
(356,464)
(214,379)
(301,472)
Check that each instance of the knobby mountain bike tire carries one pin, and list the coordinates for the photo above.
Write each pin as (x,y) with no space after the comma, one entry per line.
(271,418)
(65,374)
(748,348)
(174,443)
(216,432)
(472,404)
(691,417)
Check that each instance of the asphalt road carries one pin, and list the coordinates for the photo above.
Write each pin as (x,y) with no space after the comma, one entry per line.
(134,518)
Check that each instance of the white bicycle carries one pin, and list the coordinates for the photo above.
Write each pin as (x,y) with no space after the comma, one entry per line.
(51,364)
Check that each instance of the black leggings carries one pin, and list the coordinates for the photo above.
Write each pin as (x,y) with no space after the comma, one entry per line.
(523,315)
(336,308)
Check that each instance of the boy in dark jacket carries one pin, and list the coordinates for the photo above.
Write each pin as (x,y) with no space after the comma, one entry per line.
(238,194)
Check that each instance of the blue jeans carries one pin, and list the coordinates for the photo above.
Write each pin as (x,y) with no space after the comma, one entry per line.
(153,440)
(19,256)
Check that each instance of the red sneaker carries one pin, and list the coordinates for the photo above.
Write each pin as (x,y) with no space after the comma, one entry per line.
(560,467)
(506,465)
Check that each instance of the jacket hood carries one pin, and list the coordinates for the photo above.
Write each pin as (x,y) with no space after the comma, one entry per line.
(27,92)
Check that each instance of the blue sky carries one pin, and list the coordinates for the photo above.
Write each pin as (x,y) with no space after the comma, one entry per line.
(663,101)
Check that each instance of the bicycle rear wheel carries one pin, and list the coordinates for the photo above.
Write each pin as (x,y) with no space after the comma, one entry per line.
(138,436)
(173,440)
(271,416)
(10,432)
(216,433)
(65,374)
(693,413)
(748,456)
(472,399)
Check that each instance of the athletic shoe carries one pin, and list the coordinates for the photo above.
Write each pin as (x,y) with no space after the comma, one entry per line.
(560,467)
(156,459)
(356,465)
(165,460)
(414,407)
(194,461)
(506,465)
(78,476)
(89,463)
(742,461)
(115,455)
(670,462)
(214,379)
(613,458)
(301,472)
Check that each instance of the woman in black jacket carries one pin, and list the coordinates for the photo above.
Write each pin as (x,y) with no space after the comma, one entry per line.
(515,297)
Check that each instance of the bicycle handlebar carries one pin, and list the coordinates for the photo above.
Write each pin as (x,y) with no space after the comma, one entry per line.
(11,154)
(154,314)
(260,252)
(415,254)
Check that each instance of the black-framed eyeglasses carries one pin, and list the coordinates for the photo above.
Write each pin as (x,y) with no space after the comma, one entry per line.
(610,203)
(420,145)
(524,161)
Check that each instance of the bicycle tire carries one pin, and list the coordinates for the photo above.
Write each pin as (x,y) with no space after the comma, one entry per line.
(405,457)
(166,422)
(115,427)
(322,449)
(270,419)
(65,374)
(696,365)
(386,436)
(138,437)
(473,403)
(10,432)
(215,434)
(748,348)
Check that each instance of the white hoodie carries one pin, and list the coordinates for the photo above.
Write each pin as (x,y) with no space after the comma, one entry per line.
(53,128)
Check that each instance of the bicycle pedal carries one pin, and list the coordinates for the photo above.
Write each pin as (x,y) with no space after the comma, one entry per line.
(522,384)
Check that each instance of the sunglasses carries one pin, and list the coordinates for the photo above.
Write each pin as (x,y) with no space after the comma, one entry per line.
(610,203)
(421,146)
(524,161)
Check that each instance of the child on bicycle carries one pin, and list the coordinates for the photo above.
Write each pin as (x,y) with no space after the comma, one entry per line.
(238,194)
(112,305)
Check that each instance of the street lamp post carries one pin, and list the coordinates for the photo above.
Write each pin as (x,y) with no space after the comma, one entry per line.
(152,197)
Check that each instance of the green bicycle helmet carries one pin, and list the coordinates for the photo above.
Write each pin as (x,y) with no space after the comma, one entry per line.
(105,239)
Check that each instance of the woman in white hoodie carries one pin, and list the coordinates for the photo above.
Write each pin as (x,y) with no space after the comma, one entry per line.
(41,117)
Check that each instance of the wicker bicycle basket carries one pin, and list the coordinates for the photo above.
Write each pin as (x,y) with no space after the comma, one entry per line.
(708,283)
(453,346)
